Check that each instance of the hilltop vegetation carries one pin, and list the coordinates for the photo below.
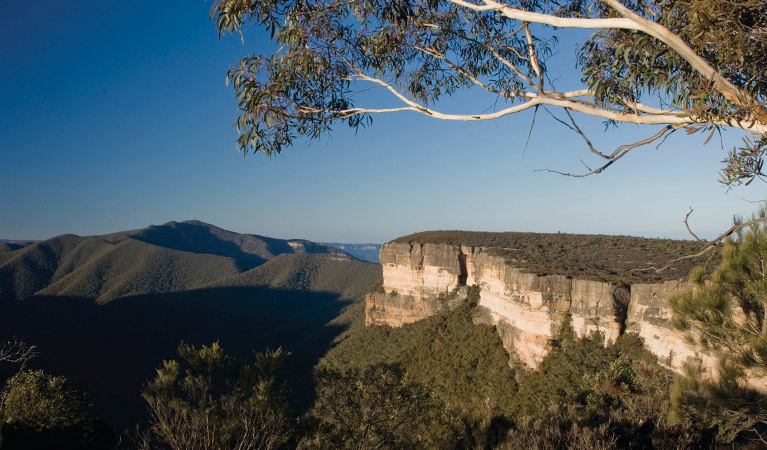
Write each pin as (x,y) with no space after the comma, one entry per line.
(617,259)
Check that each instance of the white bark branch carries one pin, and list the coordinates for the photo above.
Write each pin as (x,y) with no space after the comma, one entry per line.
(561,22)
(633,21)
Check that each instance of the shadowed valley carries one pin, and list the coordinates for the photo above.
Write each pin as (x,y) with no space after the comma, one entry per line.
(106,310)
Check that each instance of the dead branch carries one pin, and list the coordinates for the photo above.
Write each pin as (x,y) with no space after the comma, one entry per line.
(711,245)
(575,128)
(16,351)
(619,153)
(687,216)
(751,201)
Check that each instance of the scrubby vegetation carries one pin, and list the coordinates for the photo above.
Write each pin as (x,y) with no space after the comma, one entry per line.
(208,400)
(584,395)
(727,314)
(112,347)
(588,396)
(617,259)
(463,364)
(441,383)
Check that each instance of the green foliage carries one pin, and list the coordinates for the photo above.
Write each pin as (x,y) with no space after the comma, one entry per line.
(375,408)
(39,410)
(464,364)
(622,66)
(727,315)
(209,400)
(428,49)
(39,401)
(376,287)
(586,395)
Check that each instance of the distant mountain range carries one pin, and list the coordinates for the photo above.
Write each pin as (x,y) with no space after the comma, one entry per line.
(106,310)
(365,252)
(172,257)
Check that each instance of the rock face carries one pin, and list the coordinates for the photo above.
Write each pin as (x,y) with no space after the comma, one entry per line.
(420,279)
(649,315)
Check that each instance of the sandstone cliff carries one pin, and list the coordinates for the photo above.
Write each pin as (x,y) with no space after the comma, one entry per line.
(420,279)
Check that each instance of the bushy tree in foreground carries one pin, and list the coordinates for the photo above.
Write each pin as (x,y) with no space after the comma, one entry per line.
(374,408)
(208,400)
(40,410)
(727,314)
(668,64)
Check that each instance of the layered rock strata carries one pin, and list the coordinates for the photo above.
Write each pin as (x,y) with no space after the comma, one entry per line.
(420,279)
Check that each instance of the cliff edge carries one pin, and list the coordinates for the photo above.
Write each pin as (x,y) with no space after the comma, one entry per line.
(527,300)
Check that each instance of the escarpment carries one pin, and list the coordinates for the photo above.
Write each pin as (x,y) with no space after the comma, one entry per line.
(528,302)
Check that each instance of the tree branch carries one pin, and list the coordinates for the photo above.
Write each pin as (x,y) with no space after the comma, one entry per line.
(687,216)
(619,153)
(633,21)
(545,19)
(16,351)
(712,244)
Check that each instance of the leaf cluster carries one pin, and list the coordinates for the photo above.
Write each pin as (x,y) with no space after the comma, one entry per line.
(379,407)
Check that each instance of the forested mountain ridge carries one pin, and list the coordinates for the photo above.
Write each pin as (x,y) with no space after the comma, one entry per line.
(172,257)
(104,311)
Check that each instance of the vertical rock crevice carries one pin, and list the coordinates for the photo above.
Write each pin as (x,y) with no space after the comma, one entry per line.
(621,299)
(463,274)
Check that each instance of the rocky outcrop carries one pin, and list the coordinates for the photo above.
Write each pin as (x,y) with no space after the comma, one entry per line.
(649,316)
(421,279)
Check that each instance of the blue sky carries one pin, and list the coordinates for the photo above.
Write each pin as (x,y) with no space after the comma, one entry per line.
(115,115)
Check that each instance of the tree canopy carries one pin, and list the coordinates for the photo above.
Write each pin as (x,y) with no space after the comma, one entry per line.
(676,64)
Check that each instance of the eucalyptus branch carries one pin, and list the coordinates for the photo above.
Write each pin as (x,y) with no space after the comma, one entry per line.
(635,22)
(619,153)
(534,58)
(433,53)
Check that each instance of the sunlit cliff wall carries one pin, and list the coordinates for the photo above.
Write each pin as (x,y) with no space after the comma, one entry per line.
(422,279)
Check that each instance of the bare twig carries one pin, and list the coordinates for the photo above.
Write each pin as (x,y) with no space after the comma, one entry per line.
(751,201)
(619,153)
(711,244)
(530,132)
(687,216)
(16,351)
(575,128)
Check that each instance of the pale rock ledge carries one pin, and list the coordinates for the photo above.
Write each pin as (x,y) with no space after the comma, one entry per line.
(420,279)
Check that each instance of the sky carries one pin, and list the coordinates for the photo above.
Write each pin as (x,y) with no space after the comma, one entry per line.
(116,115)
